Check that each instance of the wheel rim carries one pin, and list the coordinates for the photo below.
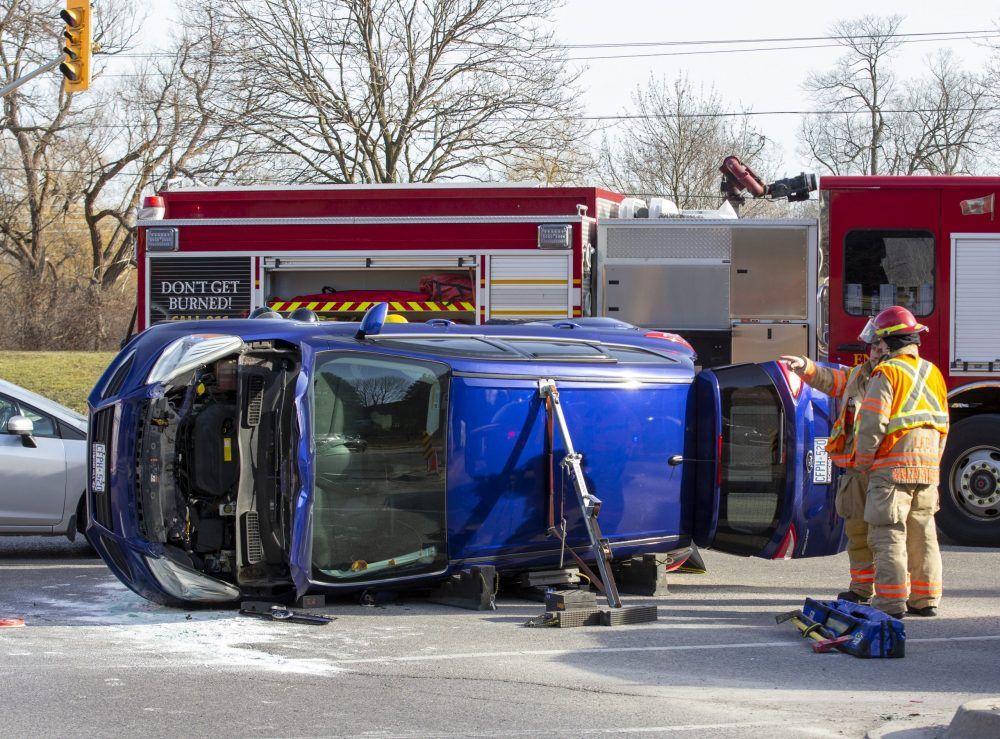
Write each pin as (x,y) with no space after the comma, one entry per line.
(975,483)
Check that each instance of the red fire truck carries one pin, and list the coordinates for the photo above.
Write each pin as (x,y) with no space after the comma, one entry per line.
(467,253)
(930,244)
(738,289)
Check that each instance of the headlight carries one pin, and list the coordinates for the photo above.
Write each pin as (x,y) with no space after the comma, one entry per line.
(185,584)
(189,352)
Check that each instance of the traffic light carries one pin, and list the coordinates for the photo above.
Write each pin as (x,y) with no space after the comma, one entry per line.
(75,65)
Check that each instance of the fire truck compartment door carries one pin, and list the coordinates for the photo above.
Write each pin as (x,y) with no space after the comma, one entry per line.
(531,286)
(770,274)
(763,478)
(975,332)
(762,342)
(673,295)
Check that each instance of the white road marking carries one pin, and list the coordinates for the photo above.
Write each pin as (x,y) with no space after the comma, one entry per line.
(620,650)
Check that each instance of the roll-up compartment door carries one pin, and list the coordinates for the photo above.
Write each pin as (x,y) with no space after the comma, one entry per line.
(975,332)
(530,286)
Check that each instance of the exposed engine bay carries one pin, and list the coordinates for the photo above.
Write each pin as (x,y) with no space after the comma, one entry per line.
(217,467)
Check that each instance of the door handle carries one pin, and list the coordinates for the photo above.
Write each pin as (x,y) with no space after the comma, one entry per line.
(852,347)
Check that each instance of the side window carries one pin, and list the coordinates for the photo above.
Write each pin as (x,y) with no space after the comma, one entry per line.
(888,267)
(7,409)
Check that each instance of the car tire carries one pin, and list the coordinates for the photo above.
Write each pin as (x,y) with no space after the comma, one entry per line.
(970,482)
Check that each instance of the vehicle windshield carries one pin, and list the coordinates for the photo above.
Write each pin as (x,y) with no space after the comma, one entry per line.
(379,494)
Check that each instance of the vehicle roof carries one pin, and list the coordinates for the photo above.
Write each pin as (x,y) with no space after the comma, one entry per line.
(42,403)
(904,182)
(325,335)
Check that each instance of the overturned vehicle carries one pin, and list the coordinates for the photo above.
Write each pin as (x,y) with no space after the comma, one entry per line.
(244,459)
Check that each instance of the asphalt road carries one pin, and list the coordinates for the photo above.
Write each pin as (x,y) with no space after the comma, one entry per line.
(93,659)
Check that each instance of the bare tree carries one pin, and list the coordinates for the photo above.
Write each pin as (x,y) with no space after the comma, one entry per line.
(34,194)
(949,123)
(859,89)
(675,142)
(397,90)
(380,390)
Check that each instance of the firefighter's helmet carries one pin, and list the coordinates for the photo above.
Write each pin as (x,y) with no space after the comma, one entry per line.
(395,318)
(896,321)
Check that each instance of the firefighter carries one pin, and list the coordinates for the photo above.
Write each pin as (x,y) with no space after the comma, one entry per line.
(901,429)
(848,386)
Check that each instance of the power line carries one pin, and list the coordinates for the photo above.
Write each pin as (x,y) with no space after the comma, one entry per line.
(959,35)
(903,38)
(633,116)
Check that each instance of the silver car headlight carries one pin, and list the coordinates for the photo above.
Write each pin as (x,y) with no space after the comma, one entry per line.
(192,351)
(185,584)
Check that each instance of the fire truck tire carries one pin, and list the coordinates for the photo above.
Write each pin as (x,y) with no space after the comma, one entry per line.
(970,482)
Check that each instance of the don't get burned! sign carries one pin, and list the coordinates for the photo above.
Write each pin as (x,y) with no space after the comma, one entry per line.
(191,288)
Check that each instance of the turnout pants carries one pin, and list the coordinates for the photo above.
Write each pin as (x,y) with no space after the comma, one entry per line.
(851,507)
(903,539)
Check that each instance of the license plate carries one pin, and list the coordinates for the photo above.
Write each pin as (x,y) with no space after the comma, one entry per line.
(822,471)
(97,468)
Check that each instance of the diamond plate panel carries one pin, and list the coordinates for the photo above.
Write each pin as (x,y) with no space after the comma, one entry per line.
(658,242)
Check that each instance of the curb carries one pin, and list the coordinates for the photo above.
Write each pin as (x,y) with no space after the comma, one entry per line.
(973,720)
(976,719)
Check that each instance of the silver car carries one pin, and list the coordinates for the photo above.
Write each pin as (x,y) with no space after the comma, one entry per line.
(43,465)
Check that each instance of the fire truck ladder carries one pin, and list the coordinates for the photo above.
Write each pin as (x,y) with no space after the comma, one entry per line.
(590,505)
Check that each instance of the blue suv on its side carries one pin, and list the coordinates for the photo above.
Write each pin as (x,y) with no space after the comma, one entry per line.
(262,458)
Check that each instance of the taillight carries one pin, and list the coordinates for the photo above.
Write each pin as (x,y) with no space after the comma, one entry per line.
(667,336)
(787,548)
(793,381)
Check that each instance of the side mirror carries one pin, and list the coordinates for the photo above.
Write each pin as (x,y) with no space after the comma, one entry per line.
(23,427)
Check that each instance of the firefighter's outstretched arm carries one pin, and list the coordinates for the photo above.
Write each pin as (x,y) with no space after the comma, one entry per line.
(873,420)
(826,380)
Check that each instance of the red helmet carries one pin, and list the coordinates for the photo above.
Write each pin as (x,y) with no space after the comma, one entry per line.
(896,320)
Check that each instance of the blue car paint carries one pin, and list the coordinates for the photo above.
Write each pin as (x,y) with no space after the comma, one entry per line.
(625,434)
(627,420)
(808,506)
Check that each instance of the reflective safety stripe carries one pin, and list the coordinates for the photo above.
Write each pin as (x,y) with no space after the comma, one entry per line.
(358,307)
(875,406)
(839,383)
(890,329)
(863,576)
(889,590)
(926,588)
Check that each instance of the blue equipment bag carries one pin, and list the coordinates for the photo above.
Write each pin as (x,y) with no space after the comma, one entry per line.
(873,633)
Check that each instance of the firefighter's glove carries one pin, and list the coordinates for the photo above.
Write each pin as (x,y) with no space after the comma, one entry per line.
(795,364)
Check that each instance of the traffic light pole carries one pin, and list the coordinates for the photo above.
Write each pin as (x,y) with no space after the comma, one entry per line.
(47,67)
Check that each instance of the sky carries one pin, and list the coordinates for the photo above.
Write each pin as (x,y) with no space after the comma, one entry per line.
(757,81)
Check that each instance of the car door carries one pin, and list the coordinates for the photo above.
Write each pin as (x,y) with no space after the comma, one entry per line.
(765,484)
(32,479)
